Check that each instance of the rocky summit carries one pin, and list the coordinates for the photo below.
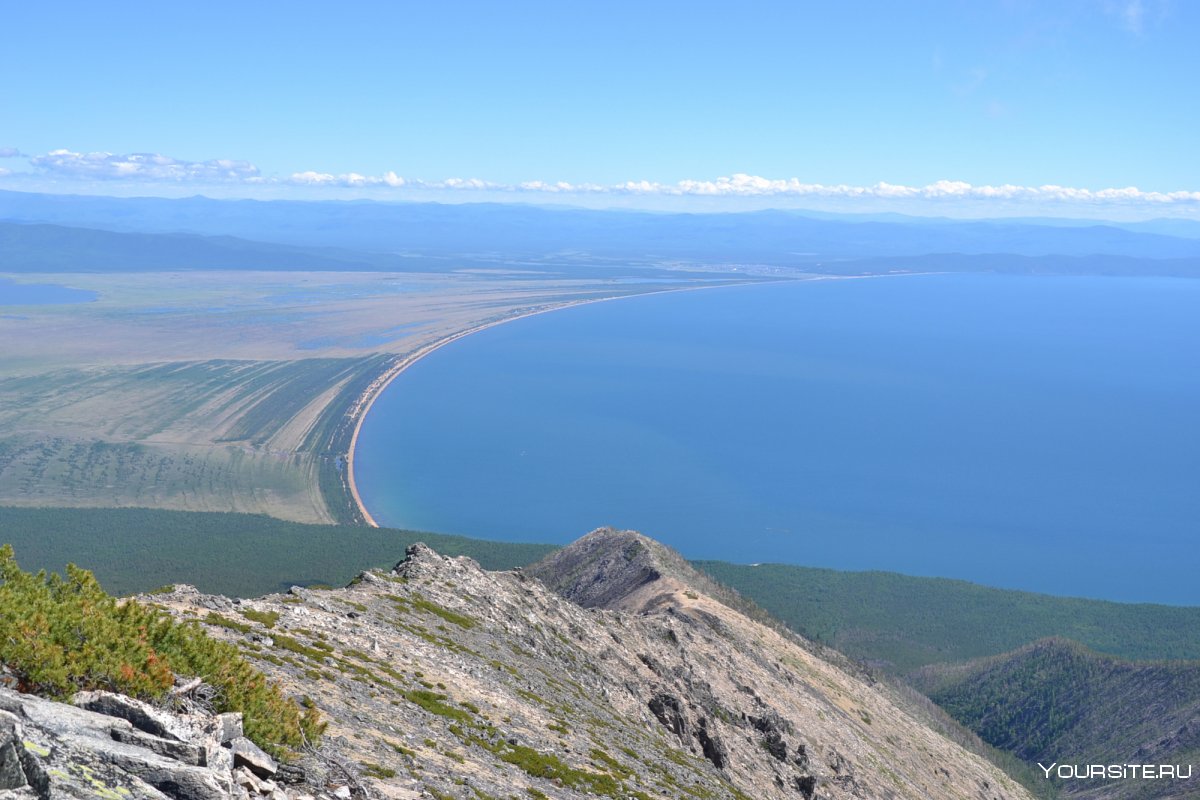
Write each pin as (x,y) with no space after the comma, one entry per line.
(611,669)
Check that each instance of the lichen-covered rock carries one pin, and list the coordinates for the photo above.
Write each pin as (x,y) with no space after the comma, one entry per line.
(249,755)
(113,747)
(12,772)
(48,755)
(183,752)
(142,716)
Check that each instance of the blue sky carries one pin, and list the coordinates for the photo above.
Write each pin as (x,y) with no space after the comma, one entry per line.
(967,107)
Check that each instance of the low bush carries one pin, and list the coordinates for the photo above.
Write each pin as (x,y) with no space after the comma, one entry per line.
(60,635)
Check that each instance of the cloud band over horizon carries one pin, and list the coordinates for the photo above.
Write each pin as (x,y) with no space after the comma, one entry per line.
(156,168)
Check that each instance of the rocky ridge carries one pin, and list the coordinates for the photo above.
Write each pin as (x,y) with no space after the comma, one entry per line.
(442,680)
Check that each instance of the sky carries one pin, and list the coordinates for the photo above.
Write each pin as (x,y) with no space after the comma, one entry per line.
(941,107)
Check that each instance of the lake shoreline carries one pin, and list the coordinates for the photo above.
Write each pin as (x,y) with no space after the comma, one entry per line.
(362,406)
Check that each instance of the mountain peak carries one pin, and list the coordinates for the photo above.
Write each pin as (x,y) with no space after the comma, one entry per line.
(618,570)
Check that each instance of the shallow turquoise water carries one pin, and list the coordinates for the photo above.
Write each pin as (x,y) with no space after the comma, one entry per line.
(1031,432)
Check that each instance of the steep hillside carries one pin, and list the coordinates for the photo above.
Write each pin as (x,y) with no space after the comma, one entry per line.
(441,679)
(1057,701)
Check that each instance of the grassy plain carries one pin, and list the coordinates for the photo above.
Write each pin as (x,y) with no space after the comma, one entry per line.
(226,391)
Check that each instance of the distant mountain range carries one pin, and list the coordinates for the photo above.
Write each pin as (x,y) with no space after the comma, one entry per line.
(56,248)
(430,236)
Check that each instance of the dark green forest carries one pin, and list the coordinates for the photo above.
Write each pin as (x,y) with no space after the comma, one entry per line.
(899,623)
(241,555)
(1055,700)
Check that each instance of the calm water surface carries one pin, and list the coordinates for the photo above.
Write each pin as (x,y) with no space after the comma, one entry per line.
(41,294)
(1030,432)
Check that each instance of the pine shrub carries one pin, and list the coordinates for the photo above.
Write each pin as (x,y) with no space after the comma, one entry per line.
(60,635)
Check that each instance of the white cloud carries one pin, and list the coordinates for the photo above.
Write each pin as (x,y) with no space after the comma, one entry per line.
(4,172)
(392,180)
(9,152)
(151,167)
(464,183)
(347,179)
(559,187)
(143,166)
(743,185)
(311,178)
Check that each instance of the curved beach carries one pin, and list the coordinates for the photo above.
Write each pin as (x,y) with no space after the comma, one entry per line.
(367,400)
(363,406)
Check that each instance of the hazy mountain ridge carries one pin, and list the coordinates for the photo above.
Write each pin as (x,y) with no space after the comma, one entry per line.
(39,247)
(570,235)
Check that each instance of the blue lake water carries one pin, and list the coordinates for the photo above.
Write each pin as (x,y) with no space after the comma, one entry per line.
(41,294)
(1039,433)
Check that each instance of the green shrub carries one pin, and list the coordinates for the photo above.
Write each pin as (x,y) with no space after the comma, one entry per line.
(213,618)
(372,770)
(267,618)
(461,620)
(59,636)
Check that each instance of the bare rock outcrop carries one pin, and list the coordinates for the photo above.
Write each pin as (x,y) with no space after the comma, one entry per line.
(112,747)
